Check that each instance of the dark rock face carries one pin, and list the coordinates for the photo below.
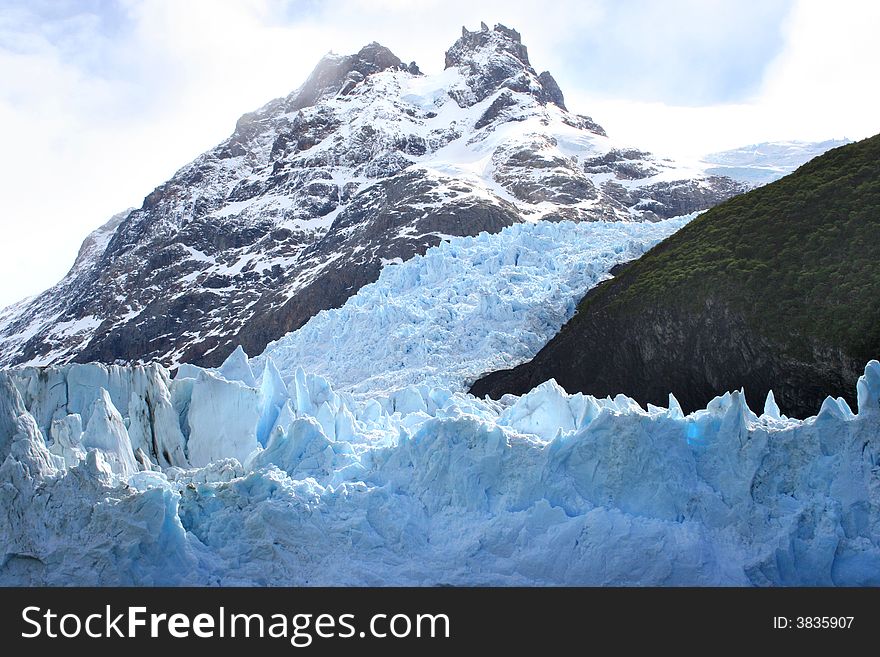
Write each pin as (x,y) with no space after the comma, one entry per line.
(667,199)
(93,245)
(311,195)
(696,356)
(629,164)
(506,41)
(582,122)
(334,73)
(505,100)
(562,181)
(551,89)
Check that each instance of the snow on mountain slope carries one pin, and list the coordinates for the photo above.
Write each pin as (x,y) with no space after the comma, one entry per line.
(468,306)
(759,164)
(369,161)
(96,243)
(422,487)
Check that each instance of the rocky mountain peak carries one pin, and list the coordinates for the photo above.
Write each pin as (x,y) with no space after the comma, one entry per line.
(500,39)
(368,162)
(492,59)
(340,73)
(334,75)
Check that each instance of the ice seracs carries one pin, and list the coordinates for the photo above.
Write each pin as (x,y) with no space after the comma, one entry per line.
(868,392)
(106,432)
(468,306)
(430,486)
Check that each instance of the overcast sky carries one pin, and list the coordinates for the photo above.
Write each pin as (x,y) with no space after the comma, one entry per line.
(102,100)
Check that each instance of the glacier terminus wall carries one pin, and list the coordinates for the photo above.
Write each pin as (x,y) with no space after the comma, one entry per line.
(122,475)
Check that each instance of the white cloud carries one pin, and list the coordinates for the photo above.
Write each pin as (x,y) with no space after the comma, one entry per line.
(828,73)
(821,86)
(80,146)
(94,116)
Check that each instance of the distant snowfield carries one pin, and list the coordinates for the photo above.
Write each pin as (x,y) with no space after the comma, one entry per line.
(468,306)
(270,475)
(759,164)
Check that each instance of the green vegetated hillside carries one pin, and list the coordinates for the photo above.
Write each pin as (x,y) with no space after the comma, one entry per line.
(777,288)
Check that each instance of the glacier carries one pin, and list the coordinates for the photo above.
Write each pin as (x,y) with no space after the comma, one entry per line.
(350,453)
(759,164)
(119,475)
(466,307)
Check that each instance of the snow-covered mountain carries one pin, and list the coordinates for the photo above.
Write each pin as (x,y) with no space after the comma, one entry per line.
(759,164)
(368,162)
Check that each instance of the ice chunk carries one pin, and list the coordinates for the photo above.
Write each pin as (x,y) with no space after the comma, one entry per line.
(215,471)
(106,431)
(237,368)
(674,411)
(187,371)
(285,417)
(43,392)
(305,452)
(868,389)
(845,409)
(274,397)
(543,412)
(153,422)
(222,417)
(97,465)
(408,400)
(11,408)
(344,426)
(85,382)
(771,410)
(66,435)
(584,409)
(26,458)
(302,398)
(735,423)
(833,408)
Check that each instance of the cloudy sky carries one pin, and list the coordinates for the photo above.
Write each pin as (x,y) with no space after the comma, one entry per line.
(102,100)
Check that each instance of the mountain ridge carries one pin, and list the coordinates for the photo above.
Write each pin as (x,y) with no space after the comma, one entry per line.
(367,162)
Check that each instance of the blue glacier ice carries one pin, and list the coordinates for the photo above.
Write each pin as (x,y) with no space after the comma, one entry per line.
(427,486)
(469,306)
(349,454)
